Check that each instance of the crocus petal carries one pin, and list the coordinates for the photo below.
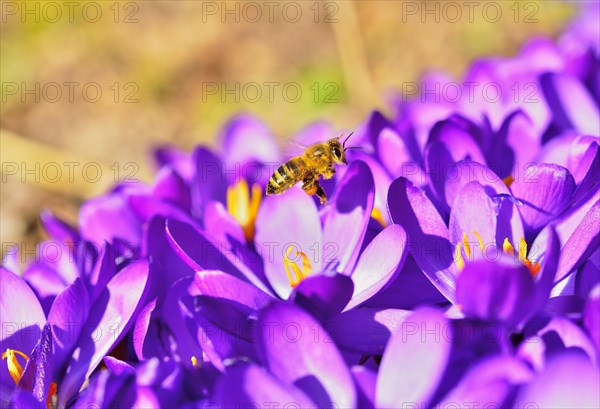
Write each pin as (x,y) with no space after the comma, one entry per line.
(217,284)
(496,289)
(172,188)
(347,219)
(176,159)
(459,174)
(584,156)
(381,179)
(45,282)
(146,207)
(489,383)
(555,335)
(248,143)
(222,330)
(571,104)
(591,316)
(224,230)
(208,182)
(396,157)
(296,350)
(107,390)
(289,219)
(379,264)
(103,270)
(252,386)
(108,322)
(569,381)
(583,241)
(199,253)
(587,277)
(22,318)
(427,234)
(117,367)
(58,229)
(366,383)
(349,328)
(451,141)
(414,346)
(142,328)
(546,276)
(221,225)
(411,288)
(473,213)
(544,190)
(165,264)
(323,296)
(522,137)
(108,217)
(66,318)
(181,324)
(371,129)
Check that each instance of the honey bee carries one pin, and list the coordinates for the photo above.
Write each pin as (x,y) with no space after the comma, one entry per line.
(316,160)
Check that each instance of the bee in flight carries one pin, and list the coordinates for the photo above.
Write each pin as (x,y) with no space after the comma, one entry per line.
(316,160)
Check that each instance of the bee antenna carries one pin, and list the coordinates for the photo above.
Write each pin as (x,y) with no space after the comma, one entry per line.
(353,147)
(345,140)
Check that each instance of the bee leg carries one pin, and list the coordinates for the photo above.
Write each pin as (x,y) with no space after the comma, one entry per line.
(309,186)
(321,193)
(328,174)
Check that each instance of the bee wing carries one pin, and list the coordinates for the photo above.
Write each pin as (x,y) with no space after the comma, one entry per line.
(293,147)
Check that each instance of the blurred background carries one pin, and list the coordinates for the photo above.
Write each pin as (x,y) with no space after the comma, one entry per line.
(103,83)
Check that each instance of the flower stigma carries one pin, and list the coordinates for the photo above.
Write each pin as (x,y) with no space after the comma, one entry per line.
(243,206)
(16,371)
(299,274)
(533,266)
(508,180)
(377,215)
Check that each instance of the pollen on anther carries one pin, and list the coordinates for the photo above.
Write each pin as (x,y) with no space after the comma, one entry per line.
(14,367)
(296,274)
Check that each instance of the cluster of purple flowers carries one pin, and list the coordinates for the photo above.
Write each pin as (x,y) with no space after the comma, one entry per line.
(457,264)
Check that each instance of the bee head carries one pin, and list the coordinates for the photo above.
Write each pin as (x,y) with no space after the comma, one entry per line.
(337,151)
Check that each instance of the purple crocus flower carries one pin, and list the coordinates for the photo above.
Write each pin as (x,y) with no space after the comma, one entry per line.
(339,247)
(22,321)
(301,366)
(82,322)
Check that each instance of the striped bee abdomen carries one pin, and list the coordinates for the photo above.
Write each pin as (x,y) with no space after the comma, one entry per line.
(286,176)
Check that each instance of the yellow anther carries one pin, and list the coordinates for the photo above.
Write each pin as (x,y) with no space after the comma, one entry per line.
(507,247)
(522,250)
(299,274)
(480,240)
(195,362)
(466,246)
(14,367)
(533,266)
(16,372)
(376,214)
(243,206)
(508,180)
(458,258)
